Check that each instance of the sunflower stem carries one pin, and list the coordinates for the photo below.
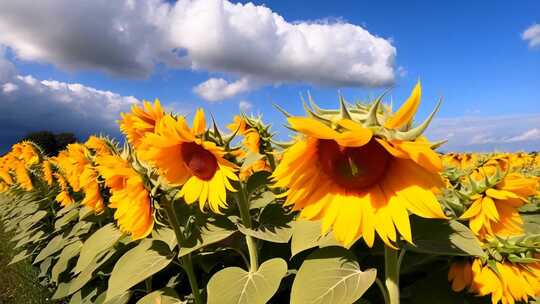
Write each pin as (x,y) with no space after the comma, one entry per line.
(243,207)
(187,263)
(383,290)
(391,273)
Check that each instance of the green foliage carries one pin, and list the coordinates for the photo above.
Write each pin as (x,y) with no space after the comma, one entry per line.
(331,275)
(234,285)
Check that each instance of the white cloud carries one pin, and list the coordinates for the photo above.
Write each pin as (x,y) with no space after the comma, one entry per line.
(532,134)
(28,104)
(9,87)
(215,89)
(129,37)
(532,35)
(488,133)
(245,105)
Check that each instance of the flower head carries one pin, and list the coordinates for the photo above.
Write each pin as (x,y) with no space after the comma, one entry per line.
(186,159)
(359,177)
(64,198)
(47,172)
(496,198)
(128,195)
(505,282)
(141,120)
(23,177)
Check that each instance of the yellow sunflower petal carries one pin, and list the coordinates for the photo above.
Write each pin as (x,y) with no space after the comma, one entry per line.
(199,122)
(312,127)
(407,111)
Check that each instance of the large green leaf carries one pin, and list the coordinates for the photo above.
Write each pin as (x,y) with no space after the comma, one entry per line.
(55,245)
(161,296)
(30,239)
(262,200)
(66,218)
(28,222)
(139,263)
(19,257)
(275,225)
(166,235)
(331,275)
(207,235)
(257,180)
(67,254)
(443,237)
(66,289)
(103,239)
(307,234)
(234,285)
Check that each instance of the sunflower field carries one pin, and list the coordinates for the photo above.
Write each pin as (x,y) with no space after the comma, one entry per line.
(358,207)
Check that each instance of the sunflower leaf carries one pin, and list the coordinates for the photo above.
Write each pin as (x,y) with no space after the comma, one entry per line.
(103,239)
(234,285)
(442,237)
(139,263)
(163,296)
(331,275)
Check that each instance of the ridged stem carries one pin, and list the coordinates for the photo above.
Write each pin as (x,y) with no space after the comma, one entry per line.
(243,207)
(187,263)
(391,273)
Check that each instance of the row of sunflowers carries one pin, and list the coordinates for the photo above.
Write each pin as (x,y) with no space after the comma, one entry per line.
(357,208)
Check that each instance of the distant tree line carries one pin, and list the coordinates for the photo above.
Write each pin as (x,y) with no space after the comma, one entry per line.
(51,143)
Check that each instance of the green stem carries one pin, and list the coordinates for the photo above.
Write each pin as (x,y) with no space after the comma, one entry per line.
(246,220)
(383,290)
(187,263)
(271,161)
(391,273)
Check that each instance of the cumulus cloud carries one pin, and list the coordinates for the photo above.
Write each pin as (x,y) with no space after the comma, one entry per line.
(215,89)
(475,133)
(28,104)
(532,35)
(129,37)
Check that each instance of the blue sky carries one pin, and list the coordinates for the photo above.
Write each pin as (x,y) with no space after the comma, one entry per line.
(483,57)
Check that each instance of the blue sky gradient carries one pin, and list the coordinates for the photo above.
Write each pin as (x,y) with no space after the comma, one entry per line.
(472,53)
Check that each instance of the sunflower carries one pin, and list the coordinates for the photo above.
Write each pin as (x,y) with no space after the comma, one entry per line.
(97,144)
(359,177)
(494,210)
(5,176)
(80,173)
(186,159)
(506,282)
(47,172)
(64,198)
(90,187)
(140,121)
(26,152)
(22,176)
(252,139)
(129,196)
(72,162)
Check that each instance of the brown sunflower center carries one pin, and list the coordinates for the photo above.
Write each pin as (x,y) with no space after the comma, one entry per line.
(200,161)
(354,168)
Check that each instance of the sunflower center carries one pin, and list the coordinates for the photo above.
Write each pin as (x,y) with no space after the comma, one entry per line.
(200,161)
(354,168)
